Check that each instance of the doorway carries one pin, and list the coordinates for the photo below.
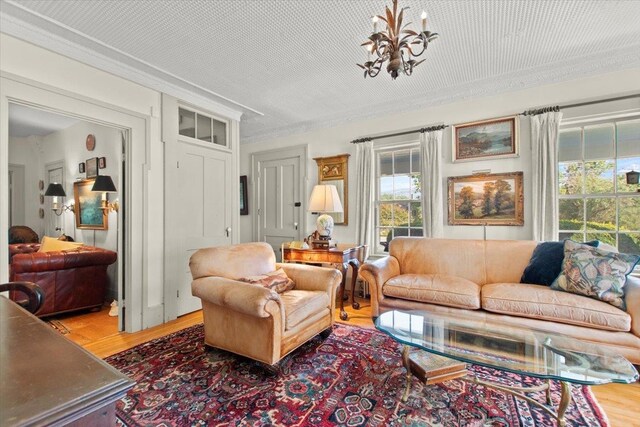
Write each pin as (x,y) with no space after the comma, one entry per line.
(43,145)
(279,177)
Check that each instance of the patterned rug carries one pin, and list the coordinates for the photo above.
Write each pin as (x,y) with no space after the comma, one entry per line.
(353,378)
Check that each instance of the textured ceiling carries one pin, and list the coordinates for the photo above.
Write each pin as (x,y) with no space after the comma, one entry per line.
(294,61)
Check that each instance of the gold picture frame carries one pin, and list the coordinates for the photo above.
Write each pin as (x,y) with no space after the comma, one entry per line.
(88,207)
(490,199)
(485,139)
(334,170)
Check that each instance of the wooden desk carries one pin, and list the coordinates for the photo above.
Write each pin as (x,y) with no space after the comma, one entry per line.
(340,257)
(45,379)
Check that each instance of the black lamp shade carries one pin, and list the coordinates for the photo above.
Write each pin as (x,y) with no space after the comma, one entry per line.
(632,177)
(55,189)
(104,184)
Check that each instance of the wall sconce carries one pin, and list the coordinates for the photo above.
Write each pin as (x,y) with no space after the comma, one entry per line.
(104,184)
(55,190)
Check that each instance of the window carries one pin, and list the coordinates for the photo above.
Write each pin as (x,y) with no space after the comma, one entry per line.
(595,202)
(397,198)
(202,127)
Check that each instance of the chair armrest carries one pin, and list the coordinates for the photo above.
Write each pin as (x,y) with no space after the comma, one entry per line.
(242,297)
(61,260)
(312,278)
(33,292)
(632,299)
(376,273)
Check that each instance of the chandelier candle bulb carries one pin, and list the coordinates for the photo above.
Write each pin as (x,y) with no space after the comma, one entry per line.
(424,21)
(375,24)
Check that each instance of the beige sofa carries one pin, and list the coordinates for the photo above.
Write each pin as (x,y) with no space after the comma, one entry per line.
(482,280)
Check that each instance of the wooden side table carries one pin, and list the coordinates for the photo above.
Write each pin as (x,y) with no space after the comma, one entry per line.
(340,257)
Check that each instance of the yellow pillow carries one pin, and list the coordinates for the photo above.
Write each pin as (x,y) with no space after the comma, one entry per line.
(50,244)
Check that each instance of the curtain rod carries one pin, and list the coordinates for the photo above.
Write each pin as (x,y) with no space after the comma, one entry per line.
(408,132)
(531,112)
(536,111)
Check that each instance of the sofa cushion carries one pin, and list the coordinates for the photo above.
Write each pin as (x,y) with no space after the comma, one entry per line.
(276,280)
(541,302)
(300,305)
(441,289)
(50,244)
(546,263)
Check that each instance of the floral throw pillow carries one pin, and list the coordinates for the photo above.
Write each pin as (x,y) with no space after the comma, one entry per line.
(276,280)
(595,273)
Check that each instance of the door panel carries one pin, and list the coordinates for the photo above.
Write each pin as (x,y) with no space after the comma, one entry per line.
(204,177)
(280,220)
(55,173)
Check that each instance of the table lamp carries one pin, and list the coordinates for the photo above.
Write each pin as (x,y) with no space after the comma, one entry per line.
(324,199)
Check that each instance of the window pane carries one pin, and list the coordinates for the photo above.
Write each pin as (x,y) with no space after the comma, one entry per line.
(401,162)
(569,145)
(204,128)
(601,214)
(415,187)
(186,123)
(629,211)
(417,232)
(401,214)
(629,243)
(570,177)
(386,164)
(415,161)
(219,132)
(415,215)
(608,238)
(571,214)
(629,138)
(598,142)
(599,176)
(577,236)
(627,165)
(386,188)
(385,216)
(402,187)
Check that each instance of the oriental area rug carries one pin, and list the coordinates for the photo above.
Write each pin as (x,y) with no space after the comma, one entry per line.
(353,378)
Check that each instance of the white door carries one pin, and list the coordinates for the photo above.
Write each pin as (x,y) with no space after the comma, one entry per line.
(204,178)
(53,222)
(281,208)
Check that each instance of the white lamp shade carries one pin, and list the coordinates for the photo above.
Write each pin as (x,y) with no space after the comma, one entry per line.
(324,198)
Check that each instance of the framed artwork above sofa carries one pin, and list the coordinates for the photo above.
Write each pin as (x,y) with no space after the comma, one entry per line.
(491,199)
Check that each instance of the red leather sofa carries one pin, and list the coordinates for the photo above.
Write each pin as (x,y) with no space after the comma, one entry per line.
(71,280)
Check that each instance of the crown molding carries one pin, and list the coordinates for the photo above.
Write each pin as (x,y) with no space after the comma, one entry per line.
(547,74)
(24,24)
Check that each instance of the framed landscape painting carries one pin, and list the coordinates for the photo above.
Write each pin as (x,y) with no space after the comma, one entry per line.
(493,199)
(485,140)
(89,215)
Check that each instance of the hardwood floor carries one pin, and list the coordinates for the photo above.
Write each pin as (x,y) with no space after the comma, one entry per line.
(96,332)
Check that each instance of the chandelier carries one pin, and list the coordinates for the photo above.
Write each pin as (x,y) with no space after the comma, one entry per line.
(396,44)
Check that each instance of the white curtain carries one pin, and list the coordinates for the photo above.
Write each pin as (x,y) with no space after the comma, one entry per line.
(544,147)
(431,183)
(364,194)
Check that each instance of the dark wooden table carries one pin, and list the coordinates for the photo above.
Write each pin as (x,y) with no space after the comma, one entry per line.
(45,379)
(340,257)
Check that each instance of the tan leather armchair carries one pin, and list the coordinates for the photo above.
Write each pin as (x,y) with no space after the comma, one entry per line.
(254,321)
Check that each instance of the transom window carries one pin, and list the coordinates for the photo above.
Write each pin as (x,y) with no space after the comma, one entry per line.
(595,201)
(398,204)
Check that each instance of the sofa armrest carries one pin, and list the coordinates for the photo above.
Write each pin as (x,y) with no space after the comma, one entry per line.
(61,260)
(632,299)
(247,298)
(312,278)
(376,273)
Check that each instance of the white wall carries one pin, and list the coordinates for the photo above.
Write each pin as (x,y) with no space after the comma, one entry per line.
(328,142)
(25,152)
(40,65)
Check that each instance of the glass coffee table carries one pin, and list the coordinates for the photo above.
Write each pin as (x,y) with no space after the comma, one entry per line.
(508,348)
